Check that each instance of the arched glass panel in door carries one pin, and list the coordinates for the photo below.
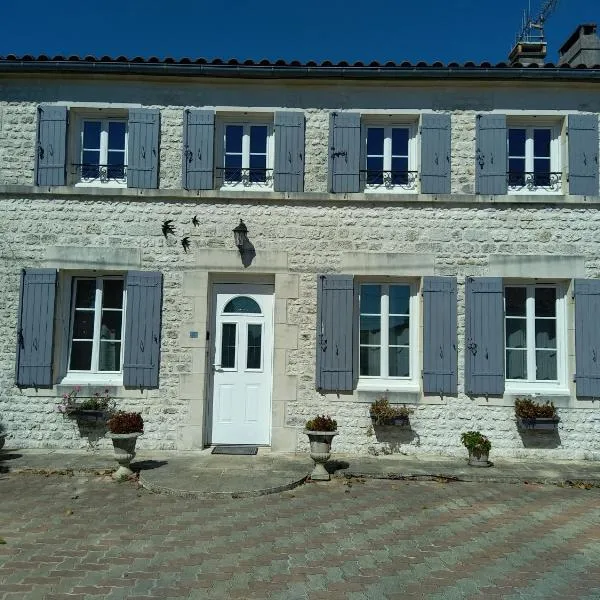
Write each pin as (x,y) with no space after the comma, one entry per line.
(242,304)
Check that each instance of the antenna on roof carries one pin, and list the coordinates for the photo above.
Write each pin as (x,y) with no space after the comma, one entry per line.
(530,43)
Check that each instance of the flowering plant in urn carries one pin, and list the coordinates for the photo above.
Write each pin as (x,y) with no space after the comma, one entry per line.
(124,428)
(320,430)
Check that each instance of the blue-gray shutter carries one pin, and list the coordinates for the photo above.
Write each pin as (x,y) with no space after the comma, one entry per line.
(335,368)
(435,154)
(491,155)
(484,347)
(35,328)
(141,360)
(344,149)
(198,149)
(440,342)
(51,155)
(289,152)
(587,338)
(583,155)
(142,151)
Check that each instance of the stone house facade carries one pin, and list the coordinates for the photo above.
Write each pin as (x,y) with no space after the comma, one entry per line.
(428,233)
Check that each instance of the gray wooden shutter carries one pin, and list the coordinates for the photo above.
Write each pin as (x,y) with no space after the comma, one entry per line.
(484,347)
(141,361)
(435,154)
(35,328)
(587,337)
(142,151)
(491,155)
(289,152)
(335,333)
(344,148)
(583,155)
(51,155)
(198,149)
(440,342)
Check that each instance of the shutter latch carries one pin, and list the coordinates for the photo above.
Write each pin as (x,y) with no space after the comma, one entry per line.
(472,346)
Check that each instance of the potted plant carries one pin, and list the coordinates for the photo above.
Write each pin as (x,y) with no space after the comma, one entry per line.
(534,415)
(320,431)
(98,407)
(478,446)
(383,413)
(124,429)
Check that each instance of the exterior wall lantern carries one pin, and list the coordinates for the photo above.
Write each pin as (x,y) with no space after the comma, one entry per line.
(240,234)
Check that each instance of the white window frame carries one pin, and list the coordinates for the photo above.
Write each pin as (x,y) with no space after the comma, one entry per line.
(94,376)
(76,145)
(387,187)
(246,121)
(530,385)
(555,155)
(384,383)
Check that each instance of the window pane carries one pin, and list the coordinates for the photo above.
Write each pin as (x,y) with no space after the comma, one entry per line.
(242,304)
(90,160)
(81,356)
(109,357)
(516,172)
(85,297)
(515,301)
(399,363)
(258,165)
(370,299)
(110,329)
(516,142)
(545,333)
(374,171)
(516,364)
(233,138)
(258,138)
(399,171)
(375,140)
(545,362)
(399,331)
(370,330)
(83,325)
(541,142)
(254,346)
(116,169)
(112,293)
(228,346)
(116,135)
(545,302)
(400,142)
(516,336)
(399,299)
(370,361)
(91,134)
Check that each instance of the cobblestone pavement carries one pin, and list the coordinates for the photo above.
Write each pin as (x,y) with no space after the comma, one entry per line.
(79,538)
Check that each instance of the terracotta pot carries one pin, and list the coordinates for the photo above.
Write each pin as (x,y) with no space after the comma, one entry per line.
(320,451)
(124,447)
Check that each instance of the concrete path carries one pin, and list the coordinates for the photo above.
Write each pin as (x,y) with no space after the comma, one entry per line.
(202,474)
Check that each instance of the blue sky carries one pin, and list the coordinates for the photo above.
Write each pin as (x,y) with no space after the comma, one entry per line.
(429,30)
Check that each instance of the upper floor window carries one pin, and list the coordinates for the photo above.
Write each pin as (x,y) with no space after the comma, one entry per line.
(534,159)
(103,151)
(390,158)
(97,325)
(247,151)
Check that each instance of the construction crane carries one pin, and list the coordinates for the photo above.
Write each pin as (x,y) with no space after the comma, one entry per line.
(532,29)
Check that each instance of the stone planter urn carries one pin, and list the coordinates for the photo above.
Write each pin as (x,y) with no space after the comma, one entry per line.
(320,451)
(479,459)
(124,447)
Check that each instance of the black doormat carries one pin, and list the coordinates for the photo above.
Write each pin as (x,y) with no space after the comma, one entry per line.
(248,450)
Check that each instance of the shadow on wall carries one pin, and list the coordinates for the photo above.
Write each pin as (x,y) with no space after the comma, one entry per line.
(393,439)
(540,439)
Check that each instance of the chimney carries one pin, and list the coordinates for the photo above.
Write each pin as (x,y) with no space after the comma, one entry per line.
(528,53)
(582,48)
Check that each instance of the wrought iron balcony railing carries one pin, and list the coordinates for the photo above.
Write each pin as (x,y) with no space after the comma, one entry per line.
(534,181)
(245,176)
(406,180)
(104,173)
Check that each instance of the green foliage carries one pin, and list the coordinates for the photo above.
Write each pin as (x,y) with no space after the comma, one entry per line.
(528,409)
(126,422)
(98,401)
(476,442)
(382,411)
(321,423)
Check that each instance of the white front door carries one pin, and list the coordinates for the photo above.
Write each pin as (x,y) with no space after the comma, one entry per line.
(242,364)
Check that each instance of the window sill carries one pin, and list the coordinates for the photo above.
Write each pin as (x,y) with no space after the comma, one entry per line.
(246,188)
(392,190)
(536,390)
(95,379)
(99,184)
(388,386)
